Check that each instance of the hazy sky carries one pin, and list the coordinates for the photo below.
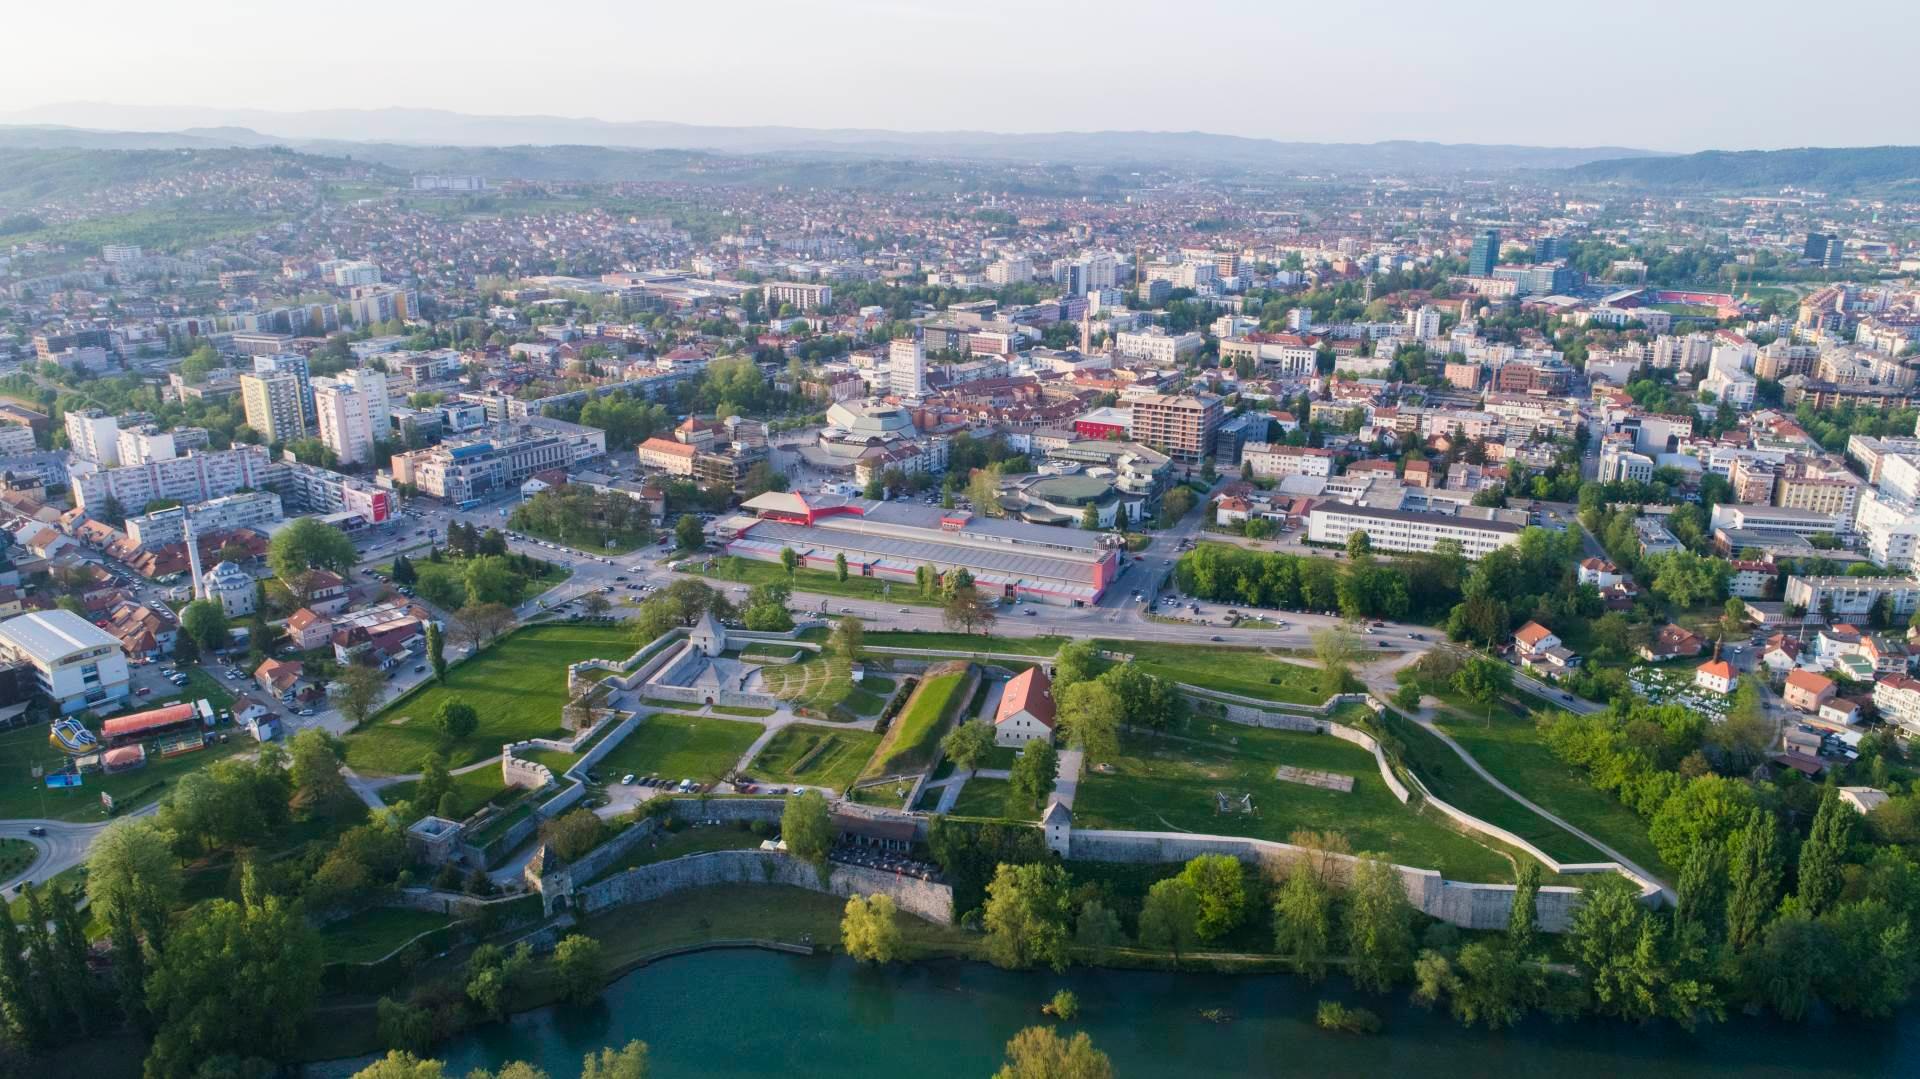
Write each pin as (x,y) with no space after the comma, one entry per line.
(1669,75)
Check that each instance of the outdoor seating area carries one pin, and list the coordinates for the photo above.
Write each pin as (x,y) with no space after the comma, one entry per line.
(873,858)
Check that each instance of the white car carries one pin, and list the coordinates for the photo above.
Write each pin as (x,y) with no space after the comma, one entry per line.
(627,780)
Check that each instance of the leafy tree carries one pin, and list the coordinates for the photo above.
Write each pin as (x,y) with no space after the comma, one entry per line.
(840,567)
(1077,661)
(456,719)
(490,579)
(1379,925)
(789,560)
(404,574)
(1337,649)
(847,639)
(1358,544)
(807,827)
(1822,855)
(688,533)
(967,743)
(26,1021)
(1151,701)
(1483,680)
(1170,917)
(580,962)
(1615,942)
(1219,889)
(205,620)
(315,756)
(869,929)
(1026,916)
(1520,920)
(435,783)
(1706,810)
(132,872)
(1753,879)
(436,651)
(235,978)
(1097,929)
(494,974)
(1744,737)
(1039,1053)
(403,1028)
(573,835)
(356,691)
(966,611)
(1303,920)
(306,545)
(1033,774)
(1092,713)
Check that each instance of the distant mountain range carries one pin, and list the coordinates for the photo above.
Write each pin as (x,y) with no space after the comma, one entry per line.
(99,125)
(1818,168)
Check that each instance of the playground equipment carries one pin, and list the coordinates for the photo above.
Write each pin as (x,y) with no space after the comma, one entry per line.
(71,737)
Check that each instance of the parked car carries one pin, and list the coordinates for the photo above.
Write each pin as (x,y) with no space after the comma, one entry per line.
(627,780)
(306,711)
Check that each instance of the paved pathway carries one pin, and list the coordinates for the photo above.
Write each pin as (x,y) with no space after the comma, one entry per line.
(63,847)
(1067,782)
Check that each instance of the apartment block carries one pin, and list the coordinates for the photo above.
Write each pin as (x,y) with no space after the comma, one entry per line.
(1269,460)
(250,509)
(1180,426)
(1477,530)
(196,477)
(274,407)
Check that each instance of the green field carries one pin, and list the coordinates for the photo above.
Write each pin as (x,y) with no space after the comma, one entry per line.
(681,747)
(823,683)
(1450,780)
(445,582)
(989,798)
(751,572)
(374,934)
(470,790)
(1170,782)
(911,741)
(963,642)
(1249,672)
(816,756)
(518,685)
(16,857)
(1513,750)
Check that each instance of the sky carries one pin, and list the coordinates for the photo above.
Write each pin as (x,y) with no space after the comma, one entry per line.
(1676,75)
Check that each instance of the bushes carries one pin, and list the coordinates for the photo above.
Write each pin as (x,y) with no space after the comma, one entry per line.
(574,834)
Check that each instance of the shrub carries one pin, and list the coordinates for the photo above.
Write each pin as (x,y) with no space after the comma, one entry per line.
(1333,1015)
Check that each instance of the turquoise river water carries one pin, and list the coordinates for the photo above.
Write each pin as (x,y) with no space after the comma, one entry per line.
(751,1013)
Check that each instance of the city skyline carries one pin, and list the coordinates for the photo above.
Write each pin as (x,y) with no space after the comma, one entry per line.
(1471,75)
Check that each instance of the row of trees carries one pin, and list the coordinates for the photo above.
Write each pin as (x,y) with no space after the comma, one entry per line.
(1364,586)
(582,517)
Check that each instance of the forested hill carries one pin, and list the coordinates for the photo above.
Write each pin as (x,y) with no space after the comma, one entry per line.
(1818,168)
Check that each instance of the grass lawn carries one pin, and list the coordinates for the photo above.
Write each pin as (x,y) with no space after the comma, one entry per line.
(1167,783)
(1449,778)
(372,934)
(1514,750)
(518,685)
(681,747)
(749,572)
(1249,672)
(556,760)
(16,857)
(695,840)
(764,912)
(990,798)
(741,710)
(814,755)
(764,652)
(471,790)
(824,684)
(915,733)
(21,795)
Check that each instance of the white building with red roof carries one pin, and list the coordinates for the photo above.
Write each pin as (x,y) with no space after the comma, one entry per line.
(1026,709)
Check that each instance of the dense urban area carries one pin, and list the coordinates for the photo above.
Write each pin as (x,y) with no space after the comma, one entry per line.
(427,595)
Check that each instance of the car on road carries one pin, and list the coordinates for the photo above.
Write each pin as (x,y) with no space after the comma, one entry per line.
(143,691)
(38,829)
(420,668)
(306,711)
(1215,637)
(846,610)
(903,610)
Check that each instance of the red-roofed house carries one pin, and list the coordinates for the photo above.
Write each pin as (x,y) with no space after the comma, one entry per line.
(308,630)
(1807,691)
(1716,675)
(673,458)
(1026,709)
(278,677)
(1534,638)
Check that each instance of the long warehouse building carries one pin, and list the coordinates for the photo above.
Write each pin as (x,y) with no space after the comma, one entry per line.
(890,541)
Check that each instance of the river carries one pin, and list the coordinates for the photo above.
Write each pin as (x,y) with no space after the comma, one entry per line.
(752,1013)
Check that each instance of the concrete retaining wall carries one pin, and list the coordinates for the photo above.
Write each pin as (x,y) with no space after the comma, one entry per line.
(642,884)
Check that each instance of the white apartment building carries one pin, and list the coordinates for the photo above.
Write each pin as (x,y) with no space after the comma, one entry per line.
(1852,596)
(907,367)
(76,663)
(803,296)
(1423,323)
(1478,533)
(1898,699)
(1157,346)
(92,435)
(353,411)
(1889,526)
(16,439)
(1270,460)
(1735,389)
(1682,353)
(248,509)
(197,477)
(1619,462)
(146,443)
